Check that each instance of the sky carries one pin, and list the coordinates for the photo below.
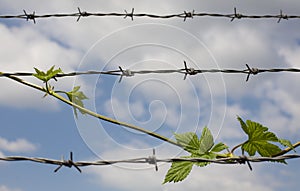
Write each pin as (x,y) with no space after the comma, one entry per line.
(34,126)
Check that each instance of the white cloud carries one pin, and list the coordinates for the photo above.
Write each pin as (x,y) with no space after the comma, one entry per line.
(137,109)
(27,48)
(19,145)
(291,55)
(230,129)
(281,110)
(232,44)
(24,49)
(235,46)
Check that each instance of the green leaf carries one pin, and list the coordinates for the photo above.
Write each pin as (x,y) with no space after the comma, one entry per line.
(45,77)
(263,147)
(287,143)
(76,97)
(192,144)
(208,155)
(206,141)
(259,139)
(199,148)
(219,147)
(189,141)
(243,125)
(178,171)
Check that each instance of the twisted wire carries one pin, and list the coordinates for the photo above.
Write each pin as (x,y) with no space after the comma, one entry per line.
(186,71)
(183,15)
(152,160)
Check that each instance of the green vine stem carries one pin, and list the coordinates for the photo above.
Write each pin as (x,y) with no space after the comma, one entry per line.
(105,118)
(89,112)
(235,147)
(286,150)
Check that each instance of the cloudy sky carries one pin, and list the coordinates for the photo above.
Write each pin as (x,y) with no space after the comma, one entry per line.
(44,127)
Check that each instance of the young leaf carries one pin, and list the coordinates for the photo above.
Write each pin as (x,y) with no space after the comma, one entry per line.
(208,155)
(189,141)
(178,171)
(287,143)
(45,77)
(243,125)
(76,97)
(219,147)
(206,141)
(199,148)
(259,139)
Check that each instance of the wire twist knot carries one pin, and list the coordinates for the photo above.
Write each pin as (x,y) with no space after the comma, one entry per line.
(129,14)
(152,160)
(188,15)
(282,16)
(189,71)
(30,16)
(127,73)
(250,71)
(236,15)
(68,163)
(82,14)
(243,160)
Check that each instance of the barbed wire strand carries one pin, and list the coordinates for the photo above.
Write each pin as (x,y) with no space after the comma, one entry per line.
(152,160)
(186,71)
(183,15)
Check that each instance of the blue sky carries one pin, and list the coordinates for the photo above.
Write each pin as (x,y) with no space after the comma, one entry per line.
(44,127)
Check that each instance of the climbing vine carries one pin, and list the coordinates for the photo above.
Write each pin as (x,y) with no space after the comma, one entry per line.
(260,141)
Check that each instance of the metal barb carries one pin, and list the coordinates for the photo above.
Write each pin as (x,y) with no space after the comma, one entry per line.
(152,160)
(236,15)
(68,163)
(188,15)
(190,71)
(129,14)
(282,16)
(243,159)
(253,71)
(81,14)
(126,73)
(30,16)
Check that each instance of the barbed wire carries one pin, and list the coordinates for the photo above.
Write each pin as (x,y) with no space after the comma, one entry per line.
(183,15)
(186,71)
(152,160)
